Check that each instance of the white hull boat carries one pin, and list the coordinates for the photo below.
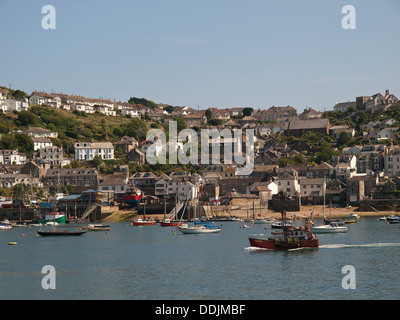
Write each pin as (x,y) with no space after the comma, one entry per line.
(329,228)
(197,229)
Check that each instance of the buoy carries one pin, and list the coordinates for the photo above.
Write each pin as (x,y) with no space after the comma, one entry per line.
(12,243)
(174,233)
(23,235)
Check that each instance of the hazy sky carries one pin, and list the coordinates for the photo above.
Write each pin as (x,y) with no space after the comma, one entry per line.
(206,53)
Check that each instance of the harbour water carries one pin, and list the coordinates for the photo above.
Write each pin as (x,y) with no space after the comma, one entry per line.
(160,263)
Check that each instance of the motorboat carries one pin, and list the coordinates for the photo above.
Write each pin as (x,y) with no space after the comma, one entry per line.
(279,224)
(97,227)
(264,220)
(393,219)
(332,227)
(198,229)
(141,222)
(287,238)
(167,222)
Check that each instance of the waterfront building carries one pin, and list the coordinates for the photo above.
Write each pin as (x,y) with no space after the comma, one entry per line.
(81,178)
(9,180)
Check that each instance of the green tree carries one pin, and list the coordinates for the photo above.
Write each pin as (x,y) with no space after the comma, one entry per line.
(247,111)
(26,118)
(19,95)
(24,142)
(344,139)
(9,142)
(169,109)
(143,101)
(299,159)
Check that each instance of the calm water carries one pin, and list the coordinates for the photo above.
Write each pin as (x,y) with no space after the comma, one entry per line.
(153,263)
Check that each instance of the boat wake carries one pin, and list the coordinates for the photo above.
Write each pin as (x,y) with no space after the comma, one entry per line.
(256,249)
(335,246)
(368,245)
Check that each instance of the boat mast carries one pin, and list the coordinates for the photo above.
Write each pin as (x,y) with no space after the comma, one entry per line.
(165,205)
(323,190)
(55,199)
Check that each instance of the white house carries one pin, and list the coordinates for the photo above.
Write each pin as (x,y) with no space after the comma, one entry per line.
(114,185)
(288,183)
(184,190)
(105,109)
(344,166)
(84,107)
(12,157)
(10,105)
(85,151)
(39,98)
(37,132)
(161,187)
(40,143)
(3,94)
(132,112)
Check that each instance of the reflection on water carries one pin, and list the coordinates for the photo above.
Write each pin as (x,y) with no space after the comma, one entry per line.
(158,263)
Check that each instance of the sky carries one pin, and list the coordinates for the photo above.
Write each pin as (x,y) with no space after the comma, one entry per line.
(204,53)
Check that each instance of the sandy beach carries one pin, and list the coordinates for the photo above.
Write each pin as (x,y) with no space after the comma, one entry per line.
(125,215)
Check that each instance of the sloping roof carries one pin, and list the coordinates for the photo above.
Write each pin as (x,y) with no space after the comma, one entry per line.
(237,195)
(308,124)
(323,165)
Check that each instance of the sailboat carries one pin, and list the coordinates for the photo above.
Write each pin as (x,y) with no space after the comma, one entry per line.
(170,222)
(54,232)
(198,227)
(329,226)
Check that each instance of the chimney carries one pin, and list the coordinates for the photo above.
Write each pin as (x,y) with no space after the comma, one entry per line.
(387,92)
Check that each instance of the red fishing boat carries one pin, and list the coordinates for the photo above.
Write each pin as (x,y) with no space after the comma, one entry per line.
(133,197)
(141,222)
(170,223)
(286,238)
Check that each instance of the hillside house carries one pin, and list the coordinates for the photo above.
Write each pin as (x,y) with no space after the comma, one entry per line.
(85,151)
(298,127)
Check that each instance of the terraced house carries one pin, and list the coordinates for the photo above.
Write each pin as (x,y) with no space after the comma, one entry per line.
(85,151)
(83,179)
